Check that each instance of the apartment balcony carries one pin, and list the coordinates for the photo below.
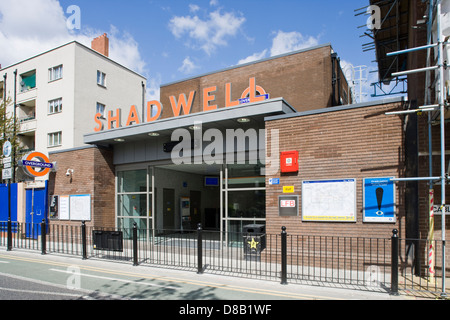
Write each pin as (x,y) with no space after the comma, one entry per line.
(27,125)
(26,113)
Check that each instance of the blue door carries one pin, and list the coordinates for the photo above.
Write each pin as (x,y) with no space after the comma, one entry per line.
(4,210)
(36,210)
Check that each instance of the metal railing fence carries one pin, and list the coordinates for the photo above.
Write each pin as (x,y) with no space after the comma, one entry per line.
(374,264)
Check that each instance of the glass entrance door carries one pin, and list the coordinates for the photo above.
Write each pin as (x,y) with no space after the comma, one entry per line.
(237,200)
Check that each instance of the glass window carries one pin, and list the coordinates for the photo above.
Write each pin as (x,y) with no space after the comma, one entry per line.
(132,205)
(132,181)
(246,176)
(100,109)
(55,106)
(134,200)
(55,73)
(54,139)
(101,78)
(247,204)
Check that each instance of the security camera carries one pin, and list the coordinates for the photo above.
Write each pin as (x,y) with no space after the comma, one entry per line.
(69,172)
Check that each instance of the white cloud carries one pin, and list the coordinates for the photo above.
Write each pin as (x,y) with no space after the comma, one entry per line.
(285,42)
(28,28)
(254,57)
(153,87)
(125,50)
(188,66)
(194,8)
(207,34)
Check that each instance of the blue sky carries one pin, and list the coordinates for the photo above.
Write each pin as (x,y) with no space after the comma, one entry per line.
(170,40)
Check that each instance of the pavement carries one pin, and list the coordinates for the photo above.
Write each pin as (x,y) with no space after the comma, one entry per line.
(28,275)
(125,281)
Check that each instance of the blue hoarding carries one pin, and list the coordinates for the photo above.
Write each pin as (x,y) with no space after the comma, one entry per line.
(379,200)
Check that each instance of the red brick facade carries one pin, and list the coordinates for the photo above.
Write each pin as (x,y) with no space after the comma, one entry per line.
(93,174)
(350,143)
(304,79)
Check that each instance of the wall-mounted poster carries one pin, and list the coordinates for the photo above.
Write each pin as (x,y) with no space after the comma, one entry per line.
(64,208)
(80,207)
(378,200)
(329,200)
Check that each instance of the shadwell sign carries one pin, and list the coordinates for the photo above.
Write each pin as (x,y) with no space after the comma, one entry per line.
(253,93)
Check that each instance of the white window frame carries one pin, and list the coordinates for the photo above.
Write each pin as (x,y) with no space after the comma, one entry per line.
(98,108)
(101,78)
(55,73)
(55,139)
(55,106)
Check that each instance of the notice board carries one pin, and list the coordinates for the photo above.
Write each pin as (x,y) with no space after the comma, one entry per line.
(329,200)
(80,207)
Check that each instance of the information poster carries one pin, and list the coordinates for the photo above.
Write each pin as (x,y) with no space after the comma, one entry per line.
(80,207)
(379,200)
(329,200)
(64,208)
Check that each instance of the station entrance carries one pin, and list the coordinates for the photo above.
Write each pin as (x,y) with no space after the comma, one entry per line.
(176,198)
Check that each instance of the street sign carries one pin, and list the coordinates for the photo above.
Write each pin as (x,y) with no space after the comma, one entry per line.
(7,148)
(7,173)
(274,181)
(29,164)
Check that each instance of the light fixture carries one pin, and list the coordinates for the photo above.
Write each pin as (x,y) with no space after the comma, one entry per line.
(153,134)
(119,140)
(243,120)
(195,127)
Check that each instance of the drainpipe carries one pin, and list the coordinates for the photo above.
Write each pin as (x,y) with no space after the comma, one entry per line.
(333,78)
(143,102)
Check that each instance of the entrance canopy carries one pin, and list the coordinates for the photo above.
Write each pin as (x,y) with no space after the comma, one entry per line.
(223,118)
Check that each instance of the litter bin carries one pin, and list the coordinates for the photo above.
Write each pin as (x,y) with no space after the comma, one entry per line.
(254,240)
(108,240)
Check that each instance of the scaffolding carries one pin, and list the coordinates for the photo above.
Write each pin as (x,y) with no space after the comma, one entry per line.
(391,57)
(391,35)
(436,110)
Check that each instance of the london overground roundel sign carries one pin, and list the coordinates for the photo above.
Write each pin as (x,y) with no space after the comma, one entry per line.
(36,164)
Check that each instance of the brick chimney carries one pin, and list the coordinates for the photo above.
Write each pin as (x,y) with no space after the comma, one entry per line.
(101,44)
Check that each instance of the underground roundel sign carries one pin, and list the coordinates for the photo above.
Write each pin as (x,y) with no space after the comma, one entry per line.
(36,164)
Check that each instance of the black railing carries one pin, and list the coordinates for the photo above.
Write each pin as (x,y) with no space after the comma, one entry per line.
(375,264)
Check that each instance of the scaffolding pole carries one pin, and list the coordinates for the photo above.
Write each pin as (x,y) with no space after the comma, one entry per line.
(441,107)
(442,110)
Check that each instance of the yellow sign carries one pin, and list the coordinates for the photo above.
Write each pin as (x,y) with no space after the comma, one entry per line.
(288,189)
(253,244)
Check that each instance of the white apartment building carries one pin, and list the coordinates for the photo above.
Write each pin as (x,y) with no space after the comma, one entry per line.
(58,93)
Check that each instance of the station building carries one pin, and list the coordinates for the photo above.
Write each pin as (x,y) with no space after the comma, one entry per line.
(277,142)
